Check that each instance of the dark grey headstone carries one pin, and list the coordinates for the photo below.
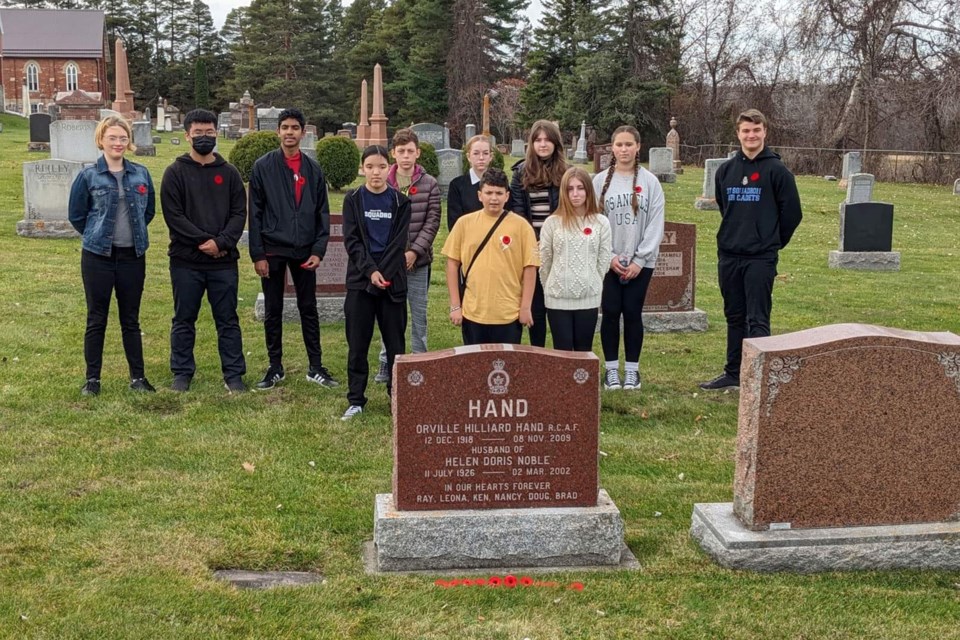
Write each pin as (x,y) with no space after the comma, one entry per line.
(431,133)
(866,226)
(40,127)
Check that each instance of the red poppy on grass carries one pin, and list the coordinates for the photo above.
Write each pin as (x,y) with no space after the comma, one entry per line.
(480,582)
(142,189)
(494,581)
(413,191)
(576,586)
(526,581)
(755,176)
(218,179)
(509,582)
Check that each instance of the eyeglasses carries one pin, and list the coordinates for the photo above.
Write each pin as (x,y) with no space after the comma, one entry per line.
(115,140)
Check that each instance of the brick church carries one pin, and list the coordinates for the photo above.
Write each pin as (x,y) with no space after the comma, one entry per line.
(52,51)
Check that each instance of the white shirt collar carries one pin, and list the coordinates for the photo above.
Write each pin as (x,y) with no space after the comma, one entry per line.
(474,178)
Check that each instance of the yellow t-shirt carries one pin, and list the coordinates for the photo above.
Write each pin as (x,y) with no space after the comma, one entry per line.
(495,284)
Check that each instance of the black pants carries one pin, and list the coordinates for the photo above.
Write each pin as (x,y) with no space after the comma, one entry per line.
(124,273)
(623,300)
(572,329)
(747,288)
(361,309)
(220,286)
(538,308)
(477,333)
(305,284)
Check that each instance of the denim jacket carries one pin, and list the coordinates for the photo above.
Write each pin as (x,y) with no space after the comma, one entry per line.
(93,205)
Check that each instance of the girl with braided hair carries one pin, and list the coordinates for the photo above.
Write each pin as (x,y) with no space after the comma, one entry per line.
(632,199)
(534,195)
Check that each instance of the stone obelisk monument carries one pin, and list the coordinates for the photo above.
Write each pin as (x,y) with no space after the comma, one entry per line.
(124,101)
(378,119)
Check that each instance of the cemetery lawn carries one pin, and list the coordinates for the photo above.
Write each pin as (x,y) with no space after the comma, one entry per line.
(115,510)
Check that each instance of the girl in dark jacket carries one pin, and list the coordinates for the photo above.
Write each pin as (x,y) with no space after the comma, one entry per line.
(535,194)
(376,219)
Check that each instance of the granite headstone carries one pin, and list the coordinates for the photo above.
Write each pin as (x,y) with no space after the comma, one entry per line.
(707,200)
(450,161)
(74,140)
(852,163)
(846,454)
(956,187)
(661,164)
(143,139)
(46,190)
(670,302)
(859,188)
(39,132)
(517,148)
(431,133)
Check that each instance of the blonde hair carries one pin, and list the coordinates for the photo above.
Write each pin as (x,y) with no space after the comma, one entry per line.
(474,140)
(565,209)
(114,121)
(538,172)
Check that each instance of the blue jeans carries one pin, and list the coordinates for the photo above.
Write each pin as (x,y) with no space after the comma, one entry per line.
(418,285)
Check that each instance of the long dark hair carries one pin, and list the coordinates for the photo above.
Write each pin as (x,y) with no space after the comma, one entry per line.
(544,173)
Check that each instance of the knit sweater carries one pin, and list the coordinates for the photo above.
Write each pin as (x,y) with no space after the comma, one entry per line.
(573,262)
(635,236)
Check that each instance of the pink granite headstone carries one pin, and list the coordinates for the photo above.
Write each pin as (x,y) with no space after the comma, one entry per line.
(332,272)
(495,426)
(672,286)
(848,425)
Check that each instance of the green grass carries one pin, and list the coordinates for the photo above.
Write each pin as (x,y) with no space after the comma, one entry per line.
(116,509)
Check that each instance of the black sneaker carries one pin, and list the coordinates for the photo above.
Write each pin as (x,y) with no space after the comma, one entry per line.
(142,385)
(180,384)
(722,382)
(91,387)
(235,385)
(271,378)
(322,377)
(383,374)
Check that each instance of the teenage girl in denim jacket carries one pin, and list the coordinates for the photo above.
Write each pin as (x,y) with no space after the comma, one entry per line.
(111,204)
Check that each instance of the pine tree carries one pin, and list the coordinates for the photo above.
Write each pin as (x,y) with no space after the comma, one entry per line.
(201,87)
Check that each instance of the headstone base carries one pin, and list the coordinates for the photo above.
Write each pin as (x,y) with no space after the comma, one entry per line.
(706,204)
(933,545)
(330,309)
(496,538)
(669,321)
(38,146)
(865,260)
(144,150)
(675,321)
(46,229)
(666,177)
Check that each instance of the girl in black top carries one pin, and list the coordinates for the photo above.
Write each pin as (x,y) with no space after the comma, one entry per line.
(535,194)
(462,196)
(376,219)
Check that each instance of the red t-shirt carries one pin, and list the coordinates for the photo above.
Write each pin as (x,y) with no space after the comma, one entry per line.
(298,181)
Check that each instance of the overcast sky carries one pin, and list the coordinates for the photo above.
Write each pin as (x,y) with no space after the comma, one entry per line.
(220,9)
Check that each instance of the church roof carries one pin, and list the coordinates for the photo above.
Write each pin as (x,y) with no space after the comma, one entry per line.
(51,33)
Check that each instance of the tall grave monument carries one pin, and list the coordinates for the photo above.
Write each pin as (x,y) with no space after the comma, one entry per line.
(580,155)
(378,119)
(866,230)
(846,454)
(124,94)
(496,463)
(673,142)
(852,163)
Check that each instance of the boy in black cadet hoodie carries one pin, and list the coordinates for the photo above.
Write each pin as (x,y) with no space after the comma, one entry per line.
(205,206)
(289,229)
(760,210)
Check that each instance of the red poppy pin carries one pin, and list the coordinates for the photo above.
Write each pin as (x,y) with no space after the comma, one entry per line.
(218,179)
(755,176)
(413,191)
(587,231)
(301,181)
(638,189)
(142,189)
(504,242)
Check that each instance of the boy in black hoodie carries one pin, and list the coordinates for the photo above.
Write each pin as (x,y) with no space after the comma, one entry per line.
(205,206)
(289,229)
(760,210)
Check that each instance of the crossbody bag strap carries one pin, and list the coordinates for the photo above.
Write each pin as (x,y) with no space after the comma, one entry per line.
(483,244)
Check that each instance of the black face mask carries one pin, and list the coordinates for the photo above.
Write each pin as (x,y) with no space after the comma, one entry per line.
(203,145)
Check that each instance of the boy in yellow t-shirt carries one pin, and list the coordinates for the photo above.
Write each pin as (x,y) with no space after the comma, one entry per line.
(496,302)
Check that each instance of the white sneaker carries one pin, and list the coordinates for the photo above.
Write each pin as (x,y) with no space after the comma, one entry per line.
(351,411)
(631,381)
(612,380)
